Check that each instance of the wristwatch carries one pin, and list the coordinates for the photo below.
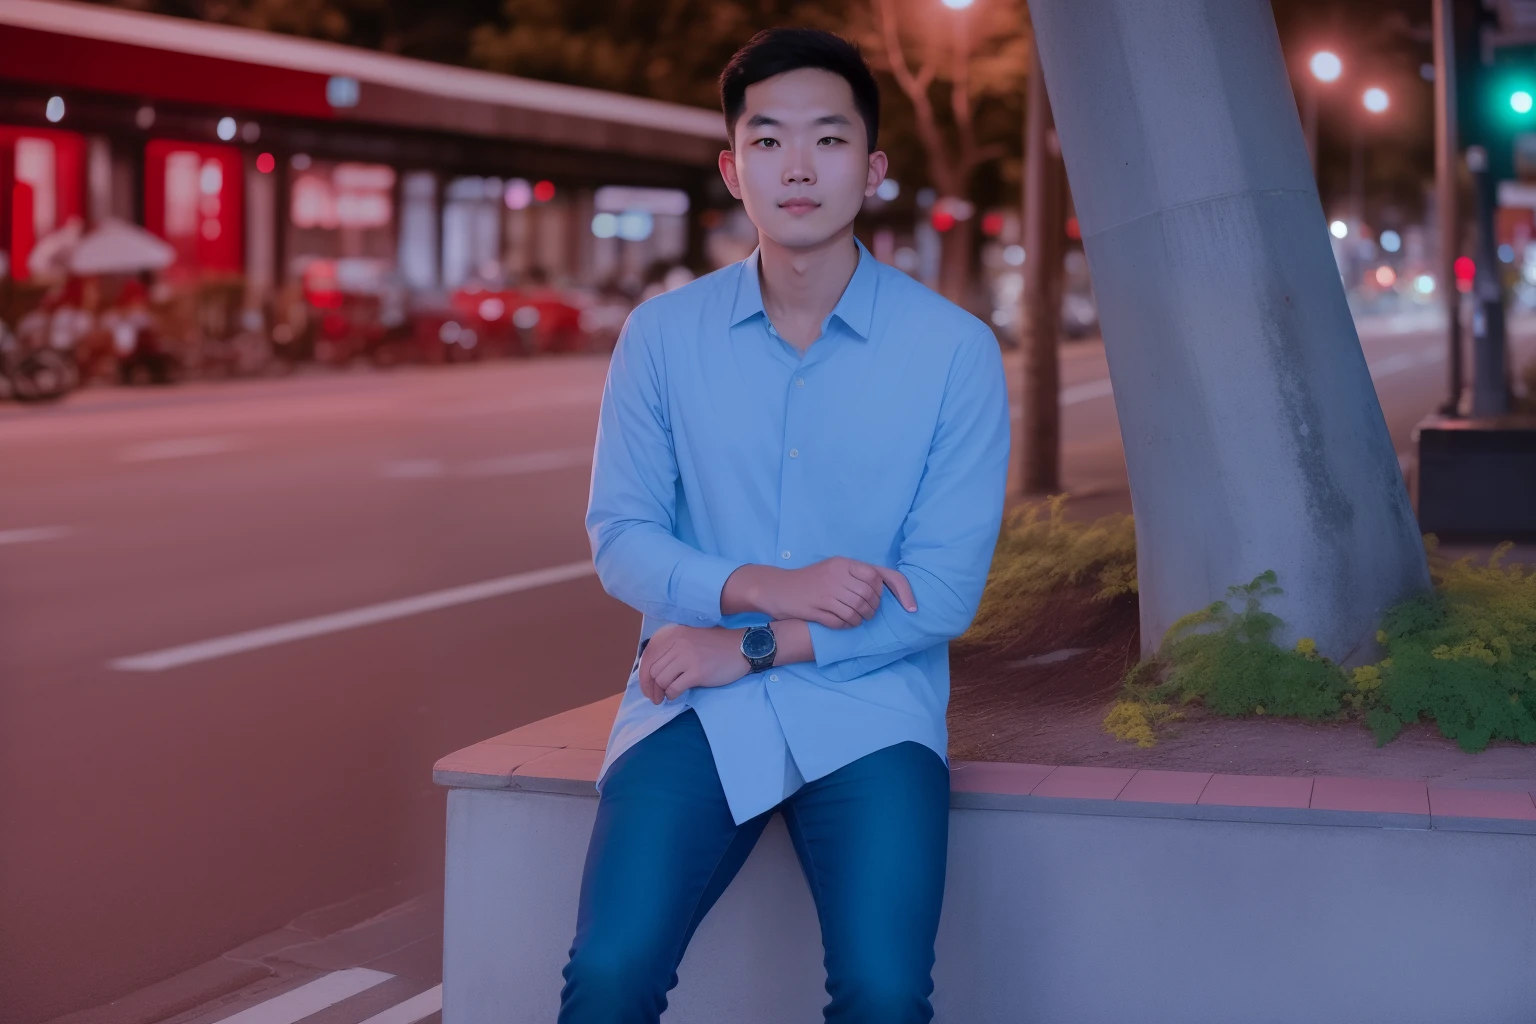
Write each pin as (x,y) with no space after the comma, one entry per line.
(759,646)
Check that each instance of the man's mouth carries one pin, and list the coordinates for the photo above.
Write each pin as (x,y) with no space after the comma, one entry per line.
(798,205)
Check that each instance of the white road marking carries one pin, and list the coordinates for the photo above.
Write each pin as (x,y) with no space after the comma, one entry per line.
(1086,392)
(178,448)
(32,534)
(1077,393)
(533,462)
(296,1004)
(506,465)
(1395,363)
(412,469)
(412,1010)
(498,405)
(303,629)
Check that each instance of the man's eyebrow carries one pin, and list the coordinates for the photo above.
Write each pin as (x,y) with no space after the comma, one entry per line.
(764,121)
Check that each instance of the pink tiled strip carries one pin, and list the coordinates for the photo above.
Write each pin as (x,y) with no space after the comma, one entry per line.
(1481,803)
(1258,791)
(1085,783)
(570,746)
(1400,796)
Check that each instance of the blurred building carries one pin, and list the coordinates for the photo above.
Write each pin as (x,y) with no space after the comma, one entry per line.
(279,161)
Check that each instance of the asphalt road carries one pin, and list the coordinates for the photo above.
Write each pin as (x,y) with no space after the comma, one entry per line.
(238,623)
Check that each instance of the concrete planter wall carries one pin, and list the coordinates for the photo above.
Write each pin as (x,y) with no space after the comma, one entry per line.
(1074,894)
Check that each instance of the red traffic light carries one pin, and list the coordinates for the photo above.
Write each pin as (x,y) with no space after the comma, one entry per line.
(1465,270)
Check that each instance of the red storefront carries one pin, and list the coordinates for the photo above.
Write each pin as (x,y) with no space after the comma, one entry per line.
(46,186)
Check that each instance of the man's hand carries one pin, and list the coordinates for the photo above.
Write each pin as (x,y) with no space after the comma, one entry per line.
(679,658)
(836,592)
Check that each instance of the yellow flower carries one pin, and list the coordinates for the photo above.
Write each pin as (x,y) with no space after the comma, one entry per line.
(1306,646)
(1381,636)
(1367,677)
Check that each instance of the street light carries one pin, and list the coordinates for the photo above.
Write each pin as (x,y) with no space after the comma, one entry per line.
(1376,101)
(957,5)
(1325,67)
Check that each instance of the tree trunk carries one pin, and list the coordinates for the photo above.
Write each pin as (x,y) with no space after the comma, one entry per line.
(1044,236)
(1253,437)
(955,278)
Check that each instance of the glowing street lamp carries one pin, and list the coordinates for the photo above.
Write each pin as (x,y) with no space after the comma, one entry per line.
(1326,66)
(1376,100)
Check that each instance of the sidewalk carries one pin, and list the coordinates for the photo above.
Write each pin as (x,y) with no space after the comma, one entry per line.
(374,959)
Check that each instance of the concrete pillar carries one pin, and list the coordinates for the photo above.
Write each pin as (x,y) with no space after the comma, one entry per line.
(1253,436)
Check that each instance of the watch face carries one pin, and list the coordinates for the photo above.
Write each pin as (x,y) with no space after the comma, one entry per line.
(758,643)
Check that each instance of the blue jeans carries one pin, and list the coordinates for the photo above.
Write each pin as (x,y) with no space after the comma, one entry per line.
(872,838)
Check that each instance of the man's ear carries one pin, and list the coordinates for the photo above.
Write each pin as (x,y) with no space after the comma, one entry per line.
(879,163)
(728,172)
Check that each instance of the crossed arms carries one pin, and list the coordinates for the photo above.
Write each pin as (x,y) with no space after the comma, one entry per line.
(831,612)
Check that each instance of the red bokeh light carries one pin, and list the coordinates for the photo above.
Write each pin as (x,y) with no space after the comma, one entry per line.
(1074,230)
(544,191)
(265,163)
(992,225)
(1465,270)
(942,220)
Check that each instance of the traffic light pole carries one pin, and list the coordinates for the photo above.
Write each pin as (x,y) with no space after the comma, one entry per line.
(1490,390)
(1446,206)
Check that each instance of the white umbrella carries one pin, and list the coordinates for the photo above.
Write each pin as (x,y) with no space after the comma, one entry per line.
(50,256)
(117,247)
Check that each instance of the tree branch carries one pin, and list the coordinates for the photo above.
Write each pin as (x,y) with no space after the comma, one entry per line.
(916,89)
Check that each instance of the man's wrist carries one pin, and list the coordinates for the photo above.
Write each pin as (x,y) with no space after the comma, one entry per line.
(743,590)
(794,641)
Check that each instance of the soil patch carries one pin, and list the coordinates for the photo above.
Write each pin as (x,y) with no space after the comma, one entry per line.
(1042,697)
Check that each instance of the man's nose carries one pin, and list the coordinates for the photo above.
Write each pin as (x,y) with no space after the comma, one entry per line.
(798,170)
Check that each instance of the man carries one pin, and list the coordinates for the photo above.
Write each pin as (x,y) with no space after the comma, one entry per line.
(780,443)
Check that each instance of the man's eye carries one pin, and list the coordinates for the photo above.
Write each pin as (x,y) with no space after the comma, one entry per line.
(829,141)
(767,143)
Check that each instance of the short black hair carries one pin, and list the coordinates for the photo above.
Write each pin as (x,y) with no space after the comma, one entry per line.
(777,50)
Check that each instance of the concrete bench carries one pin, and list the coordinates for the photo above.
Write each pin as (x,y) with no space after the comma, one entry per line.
(1074,896)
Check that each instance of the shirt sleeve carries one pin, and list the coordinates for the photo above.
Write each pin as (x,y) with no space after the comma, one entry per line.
(632,505)
(951,530)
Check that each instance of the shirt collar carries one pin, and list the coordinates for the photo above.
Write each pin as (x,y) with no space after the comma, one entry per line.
(856,307)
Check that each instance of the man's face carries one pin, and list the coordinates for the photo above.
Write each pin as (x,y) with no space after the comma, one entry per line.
(801,164)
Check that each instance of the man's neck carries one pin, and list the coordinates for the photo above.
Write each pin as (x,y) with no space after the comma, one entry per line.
(801,286)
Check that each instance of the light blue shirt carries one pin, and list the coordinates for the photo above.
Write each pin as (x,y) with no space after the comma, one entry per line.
(719,446)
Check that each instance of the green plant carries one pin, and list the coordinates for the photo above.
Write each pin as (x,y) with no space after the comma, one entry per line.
(1039,553)
(1462,656)
(1224,656)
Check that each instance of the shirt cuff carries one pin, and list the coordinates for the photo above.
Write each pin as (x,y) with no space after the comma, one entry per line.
(874,637)
(700,579)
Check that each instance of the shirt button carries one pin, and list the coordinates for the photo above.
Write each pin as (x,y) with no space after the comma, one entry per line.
(773,679)
(799,382)
(784,554)
(794,453)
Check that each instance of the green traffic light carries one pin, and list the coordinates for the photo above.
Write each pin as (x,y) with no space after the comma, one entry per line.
(1520,101)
